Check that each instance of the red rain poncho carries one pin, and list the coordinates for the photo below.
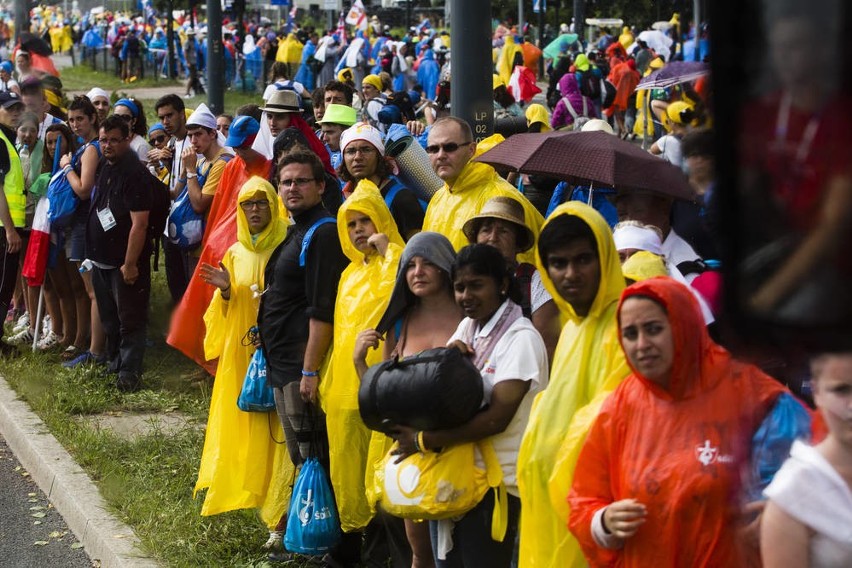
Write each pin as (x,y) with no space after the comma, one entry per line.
(677,451)
(186,330)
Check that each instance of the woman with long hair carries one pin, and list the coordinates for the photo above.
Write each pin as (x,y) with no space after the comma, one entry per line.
(131,110)
(80,168)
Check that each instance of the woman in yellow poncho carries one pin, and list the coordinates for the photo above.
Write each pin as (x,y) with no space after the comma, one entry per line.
(370,239)
(242,465)
(588,364)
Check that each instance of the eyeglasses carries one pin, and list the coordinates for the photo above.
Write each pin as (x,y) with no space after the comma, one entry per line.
(448,148)
(365,151)
(124,117)
(297,181)
(158,139)
(249,205)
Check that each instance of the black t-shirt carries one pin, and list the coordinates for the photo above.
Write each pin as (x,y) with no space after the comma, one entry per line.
(405,208)
(295,294)
(122,187)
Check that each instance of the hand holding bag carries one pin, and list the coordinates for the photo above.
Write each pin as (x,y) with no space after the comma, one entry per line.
(256,395)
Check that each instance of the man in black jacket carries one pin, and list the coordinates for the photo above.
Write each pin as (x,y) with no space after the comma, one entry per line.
(117,243)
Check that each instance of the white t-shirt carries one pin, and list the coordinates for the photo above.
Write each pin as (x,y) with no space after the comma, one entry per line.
(141,147)
(519,355)
(538,295)
(811,491)
(670,148)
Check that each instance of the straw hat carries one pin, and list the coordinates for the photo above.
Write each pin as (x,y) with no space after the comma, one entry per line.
(283,101)
(507,209)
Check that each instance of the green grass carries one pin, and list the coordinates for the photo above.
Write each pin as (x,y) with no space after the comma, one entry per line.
(82,78)
(147,482)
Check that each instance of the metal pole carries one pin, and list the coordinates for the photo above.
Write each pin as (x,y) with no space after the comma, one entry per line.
(21,16)
(696,9)
(215,58)
(471,99)
(520,17)
(408,15)
(170,37)
(39,313)
(542,8)
(580,20)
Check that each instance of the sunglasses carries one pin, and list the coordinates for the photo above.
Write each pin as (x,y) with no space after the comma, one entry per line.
(158,139)
(448,148)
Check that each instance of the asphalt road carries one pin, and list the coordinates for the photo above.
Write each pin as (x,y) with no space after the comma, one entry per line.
(32,533)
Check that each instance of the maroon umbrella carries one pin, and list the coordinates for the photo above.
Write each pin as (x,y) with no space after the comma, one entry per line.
(584,158)
(674,73)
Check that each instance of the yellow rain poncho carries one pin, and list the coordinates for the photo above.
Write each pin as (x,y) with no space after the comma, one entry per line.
(643,109)
(242,466)
(362,296)
(587,365)
(507,57)
(289,50)
(449,209)
(626,38)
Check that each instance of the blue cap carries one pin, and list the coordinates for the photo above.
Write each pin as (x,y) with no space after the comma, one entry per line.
(6,66)
(156,127)
(242,129)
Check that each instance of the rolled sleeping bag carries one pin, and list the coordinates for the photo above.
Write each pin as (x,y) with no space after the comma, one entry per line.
(439,388)
(415,168)
(510,125)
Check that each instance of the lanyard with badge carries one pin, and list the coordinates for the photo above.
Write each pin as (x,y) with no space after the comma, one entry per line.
(105,215)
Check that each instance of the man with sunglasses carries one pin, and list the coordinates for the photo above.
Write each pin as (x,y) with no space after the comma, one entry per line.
(364,158)
(468,185)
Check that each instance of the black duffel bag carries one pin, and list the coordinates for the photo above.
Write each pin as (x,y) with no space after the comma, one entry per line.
(436,389)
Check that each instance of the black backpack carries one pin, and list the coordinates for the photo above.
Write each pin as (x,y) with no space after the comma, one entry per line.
(590,85)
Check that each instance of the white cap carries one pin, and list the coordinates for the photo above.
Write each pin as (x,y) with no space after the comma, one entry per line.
(362,132)
(638,238)
(96,92)
(202,117)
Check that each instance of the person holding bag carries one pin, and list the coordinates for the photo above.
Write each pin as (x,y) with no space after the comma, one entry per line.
(511,356)
(242,466)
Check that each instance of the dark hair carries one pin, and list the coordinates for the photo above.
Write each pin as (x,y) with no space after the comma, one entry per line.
(171,100)
(140,124)
(467,133)
(200,127)
(228,116)
(697,143)
(69,144)
(318,97)
(278,69)
(486,260)
(114,122)
(303,157)
(83,104)
(383,169)
(561,232)
(251,110)
(503,97)
(31,87)
(347,91)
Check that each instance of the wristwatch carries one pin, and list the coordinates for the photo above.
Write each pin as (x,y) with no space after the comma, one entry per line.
(190,175)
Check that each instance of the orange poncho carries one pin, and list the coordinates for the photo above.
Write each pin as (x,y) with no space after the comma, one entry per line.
(186,333)
(677,451)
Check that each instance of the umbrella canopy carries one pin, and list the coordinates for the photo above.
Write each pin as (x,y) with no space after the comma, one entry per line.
(674,73)
(585,158)
(560,44)
(658,41)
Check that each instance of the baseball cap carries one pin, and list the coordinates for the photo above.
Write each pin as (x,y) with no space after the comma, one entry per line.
(242,131)
(9,99)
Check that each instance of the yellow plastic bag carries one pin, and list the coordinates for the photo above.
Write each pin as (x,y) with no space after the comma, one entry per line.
(442,485)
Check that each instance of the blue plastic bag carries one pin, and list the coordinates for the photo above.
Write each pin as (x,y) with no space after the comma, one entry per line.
(770,447)
(257,395)
(313,526)
(185,226)
(61,199)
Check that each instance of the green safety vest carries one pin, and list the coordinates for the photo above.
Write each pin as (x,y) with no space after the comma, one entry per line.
(13,186)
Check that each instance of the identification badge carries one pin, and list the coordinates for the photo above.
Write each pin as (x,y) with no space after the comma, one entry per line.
(106,218)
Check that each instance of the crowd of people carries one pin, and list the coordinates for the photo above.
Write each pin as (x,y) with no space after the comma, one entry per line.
(624,431)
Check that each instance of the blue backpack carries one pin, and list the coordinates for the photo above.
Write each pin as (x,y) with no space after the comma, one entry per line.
(61,198)
(185,226)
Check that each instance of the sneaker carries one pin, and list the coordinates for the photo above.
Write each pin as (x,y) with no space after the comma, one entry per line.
(128,383)
(49,341)
(21,338)
(274,542)
(45,325)
(22,323)
(83,358)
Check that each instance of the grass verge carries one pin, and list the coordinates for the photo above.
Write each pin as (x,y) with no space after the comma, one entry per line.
(147,481)
(82,77)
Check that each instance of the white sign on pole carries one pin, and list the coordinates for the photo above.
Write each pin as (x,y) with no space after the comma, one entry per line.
(331,5)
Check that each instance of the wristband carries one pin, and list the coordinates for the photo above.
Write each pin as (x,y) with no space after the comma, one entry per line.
(191,175)
(417,437)
(182,180)
(310,373)
(228,287)
(603,522)
(67,169)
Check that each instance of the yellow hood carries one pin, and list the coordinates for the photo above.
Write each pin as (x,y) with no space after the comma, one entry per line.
(368,200)
(537,113)
(274,233)
(612,279)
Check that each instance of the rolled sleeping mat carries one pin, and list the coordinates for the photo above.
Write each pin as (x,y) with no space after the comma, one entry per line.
(415,168)
(510,125)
